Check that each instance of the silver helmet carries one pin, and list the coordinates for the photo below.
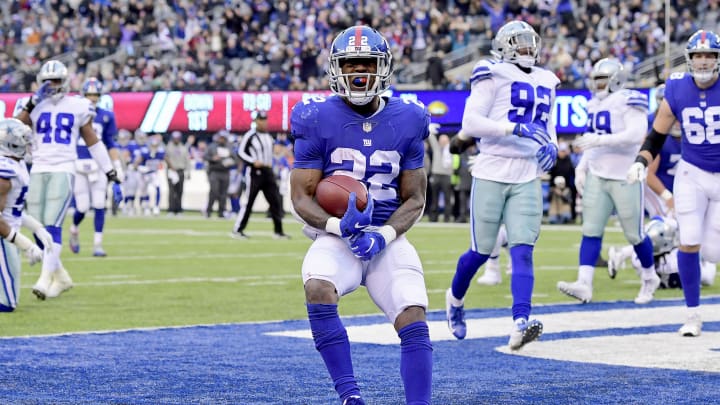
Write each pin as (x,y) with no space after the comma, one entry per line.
(15,138)
(664,236)
(517,42)
(54,70)
(607,76)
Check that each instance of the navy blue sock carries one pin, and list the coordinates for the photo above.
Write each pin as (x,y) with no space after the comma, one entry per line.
(416,363)
(78,217)
(56,233)
(589,250)
(522,280)
(157,196)
(468,264)
(332,342)
(99,219)
(689,269)
(235,204)
(644,251)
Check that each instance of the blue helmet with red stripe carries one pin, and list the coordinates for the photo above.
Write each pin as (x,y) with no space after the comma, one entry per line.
(703,42)
(91,86)
(360,43)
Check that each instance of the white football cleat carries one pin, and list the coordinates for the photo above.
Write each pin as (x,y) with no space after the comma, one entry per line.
(491,275)
(524,333)
(577,290)
(42,285)
(61,283)
(692,327)
(647,290)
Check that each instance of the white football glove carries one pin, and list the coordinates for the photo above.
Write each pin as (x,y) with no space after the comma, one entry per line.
(636,173)
(588,141)
(580,180)
(34,254)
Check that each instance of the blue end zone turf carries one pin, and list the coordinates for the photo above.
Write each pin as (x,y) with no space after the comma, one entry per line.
(243,364)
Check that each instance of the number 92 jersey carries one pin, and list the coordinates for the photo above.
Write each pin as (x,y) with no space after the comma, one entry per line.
(699,114)
(332,137)
(57,128)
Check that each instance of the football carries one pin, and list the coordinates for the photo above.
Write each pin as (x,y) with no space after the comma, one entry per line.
(333,192)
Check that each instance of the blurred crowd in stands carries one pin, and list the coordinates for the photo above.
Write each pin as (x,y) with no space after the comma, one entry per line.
(135,45)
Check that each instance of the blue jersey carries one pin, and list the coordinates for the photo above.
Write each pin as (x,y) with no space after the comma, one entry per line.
(332,137)
(669,157)
(699,114)
(151,158)
(106,130)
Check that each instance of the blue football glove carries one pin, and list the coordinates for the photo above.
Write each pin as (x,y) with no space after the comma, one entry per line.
(354,220)
(43,92)
(547,156)
(533,131)
(117,193)
(367,244)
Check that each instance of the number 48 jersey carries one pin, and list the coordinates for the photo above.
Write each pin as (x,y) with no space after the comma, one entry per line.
(57,128)
(331,137)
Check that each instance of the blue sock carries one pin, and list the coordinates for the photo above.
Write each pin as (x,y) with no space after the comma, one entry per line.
(56,233)
(144,201)
(99,219)
(332,342)
(157,196)
(235,204)
(416,363)
(129,200)
(78,217)
(644,251)
(689,269)
(522,280)
(589,250)
(468,264)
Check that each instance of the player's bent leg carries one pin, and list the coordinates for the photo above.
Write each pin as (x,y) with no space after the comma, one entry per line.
(9,276)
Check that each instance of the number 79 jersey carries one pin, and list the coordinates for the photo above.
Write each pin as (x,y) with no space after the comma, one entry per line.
(57,127)
(331,137)
(698,112)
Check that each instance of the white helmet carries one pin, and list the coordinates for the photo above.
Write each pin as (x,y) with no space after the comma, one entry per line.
(607,76)
(54,70)
(513,37)
(663,235)
(15,138)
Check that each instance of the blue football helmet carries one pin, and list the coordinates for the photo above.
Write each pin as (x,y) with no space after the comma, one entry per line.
(360,42)
(91,86)
(703,42)
(517,42)
(15,138)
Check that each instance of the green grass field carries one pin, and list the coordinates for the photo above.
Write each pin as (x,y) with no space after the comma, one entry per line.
(188,271)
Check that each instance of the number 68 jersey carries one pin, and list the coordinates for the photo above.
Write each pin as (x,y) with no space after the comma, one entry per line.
(698,111)
(57,127)
(331,137)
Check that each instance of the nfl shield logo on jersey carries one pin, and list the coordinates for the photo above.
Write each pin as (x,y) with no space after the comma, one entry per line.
(367,126)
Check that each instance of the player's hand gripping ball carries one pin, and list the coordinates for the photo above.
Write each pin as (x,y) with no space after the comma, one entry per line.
(333,192)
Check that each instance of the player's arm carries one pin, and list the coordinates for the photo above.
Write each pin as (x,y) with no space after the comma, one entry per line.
(656,185)
(98,151)
(303,183)
(31,250)
(475,123)
(413,186)
(24,116)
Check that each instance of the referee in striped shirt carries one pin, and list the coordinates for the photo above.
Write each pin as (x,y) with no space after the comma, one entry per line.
(256,150)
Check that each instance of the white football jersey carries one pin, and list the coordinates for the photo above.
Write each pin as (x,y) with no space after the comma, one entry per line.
(607,117)
(17,173)
(57,128)
(519,97)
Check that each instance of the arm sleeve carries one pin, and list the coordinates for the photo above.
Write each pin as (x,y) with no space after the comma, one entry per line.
(475,122)
(242,150)
(99,152)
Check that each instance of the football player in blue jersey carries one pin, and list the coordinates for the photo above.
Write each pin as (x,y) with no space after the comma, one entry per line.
(90,189)
(616,126)
(510,110)
(693,99)
(377,140)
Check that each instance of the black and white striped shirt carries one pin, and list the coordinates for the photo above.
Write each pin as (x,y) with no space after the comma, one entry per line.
(257,146)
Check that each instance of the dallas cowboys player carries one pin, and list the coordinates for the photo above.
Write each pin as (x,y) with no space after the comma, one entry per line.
(617,122)
(379,141)
(509,108)
(693,99)
(57,120)
(90,183)
(15,140)
(664,235)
